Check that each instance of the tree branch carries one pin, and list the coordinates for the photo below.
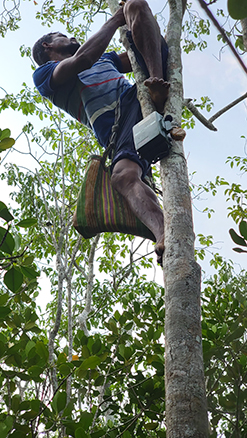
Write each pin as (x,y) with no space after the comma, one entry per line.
(227,107)
(209,122)
(223,33)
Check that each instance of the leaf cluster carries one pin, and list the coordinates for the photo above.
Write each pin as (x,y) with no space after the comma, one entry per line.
(224,322)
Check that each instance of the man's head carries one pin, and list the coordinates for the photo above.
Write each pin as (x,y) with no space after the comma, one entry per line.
(54,46)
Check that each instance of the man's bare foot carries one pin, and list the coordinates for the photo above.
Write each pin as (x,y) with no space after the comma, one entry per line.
(158,90)
(159,249)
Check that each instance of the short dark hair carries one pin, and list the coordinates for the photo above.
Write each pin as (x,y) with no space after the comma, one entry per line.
(40,55)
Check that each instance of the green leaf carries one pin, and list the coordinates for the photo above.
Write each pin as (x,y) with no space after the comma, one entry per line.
(30,345)
(97,434)
(17,238)
(79,433)
(99,381)
(5,133)
(90,363)
(59,401)
(64,369)
(27,223)
(18,434)
(4,311)
(238,250)
(96,346)
(236,238)
(3,430)
(13,279)
(86,419)
(24,406)
(42,350)
(6,143)
(2,348)
(62,358)
(7,243)
(28,260)
(29,272)
(29,415)
(243,359)
(126,434)
(35,405)
(243,229)
(3,299)
(35,371)
(151,426)
(159,367)
(237,9)
(161,434)
(5,213)
(238,333)
(15,402)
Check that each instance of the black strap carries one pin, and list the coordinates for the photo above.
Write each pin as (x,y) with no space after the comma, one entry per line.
(114,131)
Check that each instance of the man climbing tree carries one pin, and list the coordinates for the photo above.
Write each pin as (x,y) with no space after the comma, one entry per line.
(87,83)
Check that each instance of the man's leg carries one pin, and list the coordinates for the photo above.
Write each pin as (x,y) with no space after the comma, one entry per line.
(126,179)
(147,38)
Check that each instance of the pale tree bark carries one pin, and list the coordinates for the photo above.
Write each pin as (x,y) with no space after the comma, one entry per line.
(186,410)
(65,260)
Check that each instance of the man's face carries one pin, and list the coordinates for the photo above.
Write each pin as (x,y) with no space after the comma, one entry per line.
(60,43)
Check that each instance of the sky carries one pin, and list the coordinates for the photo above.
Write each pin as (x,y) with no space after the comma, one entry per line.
(212,72)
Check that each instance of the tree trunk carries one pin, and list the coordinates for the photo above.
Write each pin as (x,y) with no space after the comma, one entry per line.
(186,411)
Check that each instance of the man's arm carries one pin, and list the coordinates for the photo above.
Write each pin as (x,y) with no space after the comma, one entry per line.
(89,52)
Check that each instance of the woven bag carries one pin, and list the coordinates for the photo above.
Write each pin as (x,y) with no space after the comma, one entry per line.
(100,208)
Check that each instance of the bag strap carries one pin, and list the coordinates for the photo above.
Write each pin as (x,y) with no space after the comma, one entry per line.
(113,137)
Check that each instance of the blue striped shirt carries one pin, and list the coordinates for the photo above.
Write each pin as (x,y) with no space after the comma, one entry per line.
(91,96)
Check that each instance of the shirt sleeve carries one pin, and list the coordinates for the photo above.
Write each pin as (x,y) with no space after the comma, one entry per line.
(113,56)
(42,78)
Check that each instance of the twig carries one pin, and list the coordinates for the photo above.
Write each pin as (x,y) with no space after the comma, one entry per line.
(227,107)
(4,237)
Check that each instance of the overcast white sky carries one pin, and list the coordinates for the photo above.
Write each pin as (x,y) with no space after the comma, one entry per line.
(208,73)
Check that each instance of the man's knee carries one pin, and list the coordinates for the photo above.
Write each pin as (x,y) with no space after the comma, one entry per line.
(135,10)
(123,180)
(125,175)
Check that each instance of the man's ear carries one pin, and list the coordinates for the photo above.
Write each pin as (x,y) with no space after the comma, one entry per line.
(46,45)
